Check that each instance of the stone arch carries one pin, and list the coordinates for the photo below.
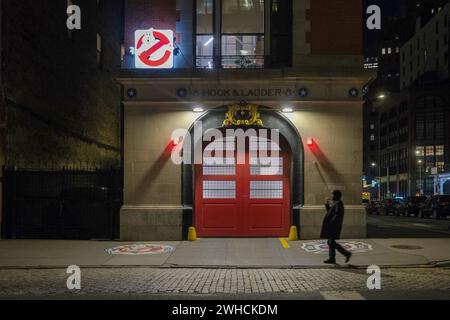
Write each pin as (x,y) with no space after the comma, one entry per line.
(273,119)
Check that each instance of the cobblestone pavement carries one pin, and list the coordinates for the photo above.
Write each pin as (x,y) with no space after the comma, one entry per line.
(217,281)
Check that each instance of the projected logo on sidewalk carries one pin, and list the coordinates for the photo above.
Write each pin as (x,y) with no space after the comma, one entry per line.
(154,49)
(320,247)
(140,249)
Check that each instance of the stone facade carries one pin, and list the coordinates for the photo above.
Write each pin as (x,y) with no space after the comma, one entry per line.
(326,60)
(153,184)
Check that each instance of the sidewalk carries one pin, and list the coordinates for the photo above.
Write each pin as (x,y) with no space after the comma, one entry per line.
(223,253)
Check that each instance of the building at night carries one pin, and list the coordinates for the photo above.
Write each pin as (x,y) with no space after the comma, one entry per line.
(294,67)
(62,101)
(407,28)
(398,22)
(412,136)
(59,107)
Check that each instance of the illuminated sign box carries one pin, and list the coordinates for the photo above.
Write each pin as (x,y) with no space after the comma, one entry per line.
(154,49)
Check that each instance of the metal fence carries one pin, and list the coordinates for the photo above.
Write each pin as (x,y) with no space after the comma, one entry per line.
(233,62)
(76,203)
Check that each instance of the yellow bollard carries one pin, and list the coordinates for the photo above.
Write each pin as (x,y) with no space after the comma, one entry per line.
(293,234)
(192,234)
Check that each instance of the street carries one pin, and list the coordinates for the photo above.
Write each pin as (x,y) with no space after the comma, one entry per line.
(151,283)
(411,268)
(406,227)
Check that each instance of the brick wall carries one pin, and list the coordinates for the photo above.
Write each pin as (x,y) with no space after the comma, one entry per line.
(146,14)
(336,27)
(61,106)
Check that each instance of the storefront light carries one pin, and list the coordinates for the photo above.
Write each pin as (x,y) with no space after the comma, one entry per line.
(198,110)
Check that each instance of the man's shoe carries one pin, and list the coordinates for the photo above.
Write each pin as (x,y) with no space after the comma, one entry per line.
(348,257)
(330,261)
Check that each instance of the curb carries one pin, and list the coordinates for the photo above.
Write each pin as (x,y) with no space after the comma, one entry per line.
(442,264)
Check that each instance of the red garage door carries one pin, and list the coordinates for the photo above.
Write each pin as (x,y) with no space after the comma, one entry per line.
(243,200)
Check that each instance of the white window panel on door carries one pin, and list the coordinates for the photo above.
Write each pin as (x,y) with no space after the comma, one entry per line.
(219,189)
(219,166)
(227,144)
(266,166)
(266,190)
(263,144)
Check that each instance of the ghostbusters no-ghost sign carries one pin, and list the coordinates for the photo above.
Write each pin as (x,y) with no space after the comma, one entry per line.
(154,49)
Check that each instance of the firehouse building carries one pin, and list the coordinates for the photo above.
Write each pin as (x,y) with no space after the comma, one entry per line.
(293,67)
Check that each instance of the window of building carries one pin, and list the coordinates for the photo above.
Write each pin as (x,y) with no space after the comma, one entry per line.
(403,160)
(372,126)
(420,151)
(420,126)
(231,33)
(397,50)
(389,50)
(99,51)
(440,158)
(372,137)
(429,126)
(242,33)
(281,20)
(429,156)
(205,34)
(403,107)
(383,51)
(440,126)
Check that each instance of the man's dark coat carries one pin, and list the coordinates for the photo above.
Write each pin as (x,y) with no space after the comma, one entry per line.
(334,219)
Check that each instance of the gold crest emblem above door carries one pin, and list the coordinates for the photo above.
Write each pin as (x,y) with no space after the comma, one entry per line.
(243,114)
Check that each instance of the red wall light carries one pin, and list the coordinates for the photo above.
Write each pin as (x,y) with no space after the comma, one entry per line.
(176,141)
(310,142)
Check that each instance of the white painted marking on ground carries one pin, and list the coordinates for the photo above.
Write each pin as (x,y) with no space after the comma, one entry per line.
(341,295)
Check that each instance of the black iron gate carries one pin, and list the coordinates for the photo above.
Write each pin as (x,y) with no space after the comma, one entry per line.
(61,204)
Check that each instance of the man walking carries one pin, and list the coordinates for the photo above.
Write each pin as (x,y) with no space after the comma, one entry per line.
(332,227)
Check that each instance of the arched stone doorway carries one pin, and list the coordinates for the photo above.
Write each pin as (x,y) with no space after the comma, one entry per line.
(272,119)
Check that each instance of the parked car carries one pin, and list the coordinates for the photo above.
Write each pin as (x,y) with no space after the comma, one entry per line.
(373,207)
(400,206)
(436,207)
(388,207)
(412,206)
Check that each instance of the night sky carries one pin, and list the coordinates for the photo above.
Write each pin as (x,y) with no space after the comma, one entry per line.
(389,8)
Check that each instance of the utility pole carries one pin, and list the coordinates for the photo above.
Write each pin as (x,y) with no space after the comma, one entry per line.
(388,182)
(420,177)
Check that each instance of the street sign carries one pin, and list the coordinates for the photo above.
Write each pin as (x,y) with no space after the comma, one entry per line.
(154,49)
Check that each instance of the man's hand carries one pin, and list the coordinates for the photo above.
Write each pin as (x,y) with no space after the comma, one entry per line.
(327,203)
